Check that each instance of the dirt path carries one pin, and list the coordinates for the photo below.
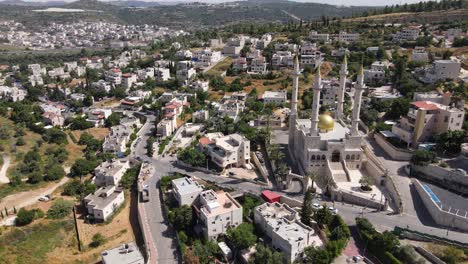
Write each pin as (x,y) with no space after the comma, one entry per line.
(3,172)
(27,198)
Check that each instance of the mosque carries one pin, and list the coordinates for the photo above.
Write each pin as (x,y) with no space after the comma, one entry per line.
(324,144)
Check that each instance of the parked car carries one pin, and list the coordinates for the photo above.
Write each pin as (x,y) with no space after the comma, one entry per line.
(316,206)
(231,173)
(333,210)
(45,198)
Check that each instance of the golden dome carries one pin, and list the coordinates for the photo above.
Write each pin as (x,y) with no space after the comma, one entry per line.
(326,122)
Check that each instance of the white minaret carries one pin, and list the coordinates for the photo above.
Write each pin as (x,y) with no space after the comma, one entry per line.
(358,89)
(293,115)
(342,89)
(317,87)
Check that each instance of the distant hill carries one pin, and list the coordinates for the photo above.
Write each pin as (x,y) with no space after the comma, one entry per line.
(187,16)
(24,3)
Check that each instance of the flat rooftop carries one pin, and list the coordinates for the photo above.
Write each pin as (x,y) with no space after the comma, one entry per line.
(217,203)
(123,254)
(186,185)
(104,196)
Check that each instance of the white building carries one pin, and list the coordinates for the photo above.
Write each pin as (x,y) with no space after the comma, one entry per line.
(110,172)
(287,233)
(240,64)
(282,59)
(104,202)
(344,36)
(185,71)
(13,94)
(275,97)
(200,85)
(226,151)
(162,74)
(407,34)
(116,141)
(258,65)
(420,54)
(441,70)
(128,79)
(218,212)
(200,116)
(186,190)
(114,76)
(315,36)
(166,127)
(206,57)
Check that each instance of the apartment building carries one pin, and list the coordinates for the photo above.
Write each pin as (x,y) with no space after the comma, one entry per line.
(97,116)
(104,202)
(376,74)
(200,116)
(420,54)
(166,127)
(310,55)
(240,64)
(114,76)
(200,85)
(217,212)
(116,141)
(206,57)
(110,172)
(258,65)
(426,119)
(287,233)
(13,94)
(162,74)
(185,71)
(282,59)
(346,37)
(186,190)
(407,34)
(316,37)
(226,151)
(128,79)
(441,70)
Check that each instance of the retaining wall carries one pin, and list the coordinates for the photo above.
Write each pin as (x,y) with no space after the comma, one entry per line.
(392,151)
(442,176)
(440,216)
(260,167)
(354,198)
(428,255)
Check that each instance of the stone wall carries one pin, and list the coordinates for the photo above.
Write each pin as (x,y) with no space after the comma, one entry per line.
(354,198)
(377,171)
(392,151)
(441,217)
(260,167)
(291,202)
(442,176)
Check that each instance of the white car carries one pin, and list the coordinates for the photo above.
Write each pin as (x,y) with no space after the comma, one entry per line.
(316,206)
(44,199)
(333,210)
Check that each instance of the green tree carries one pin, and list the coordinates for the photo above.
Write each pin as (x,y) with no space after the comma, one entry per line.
(82,167)
(54,172)
(242,236)
(60,209)
(24,217)
(323,216)
(316,256)
(192,156)
(112,120)
(35,177)
(423,157)
(307,211)
(450,141)
(181,217)
(265,255)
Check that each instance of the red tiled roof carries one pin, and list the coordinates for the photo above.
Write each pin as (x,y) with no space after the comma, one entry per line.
(425,105)
(204,141)
(170,106)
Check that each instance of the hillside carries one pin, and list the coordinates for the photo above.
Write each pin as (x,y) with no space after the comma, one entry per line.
(193,15)
(418,17)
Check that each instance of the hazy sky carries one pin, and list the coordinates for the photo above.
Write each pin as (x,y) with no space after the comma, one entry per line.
(332,2)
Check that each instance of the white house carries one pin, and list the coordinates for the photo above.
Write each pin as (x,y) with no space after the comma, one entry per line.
(104,202)
(287,233)
(231,150)
(218,212)
(186,190)
(315,36)
(110,172)
(420,54)
(258,65)
(442,69)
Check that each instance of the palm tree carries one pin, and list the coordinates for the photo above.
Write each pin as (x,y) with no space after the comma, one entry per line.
(312,176)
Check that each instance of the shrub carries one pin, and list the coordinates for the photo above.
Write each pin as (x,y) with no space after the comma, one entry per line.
(60,209)
(97,240)
(24,217)
(54,172)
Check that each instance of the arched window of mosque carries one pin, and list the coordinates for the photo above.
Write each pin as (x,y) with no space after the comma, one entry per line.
(347,157)
(323,157)
(313,157)
(352,157)
(357,157)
